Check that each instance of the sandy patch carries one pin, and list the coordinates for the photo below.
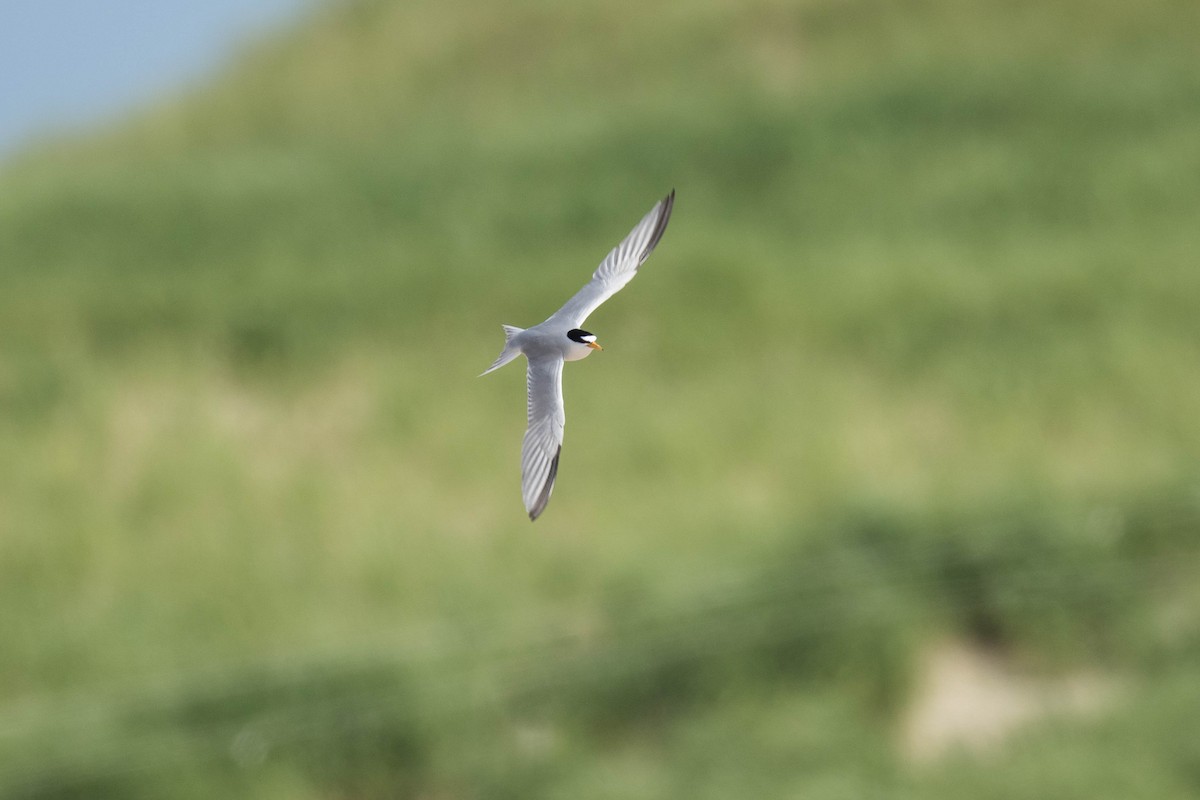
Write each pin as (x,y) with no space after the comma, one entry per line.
(973,699)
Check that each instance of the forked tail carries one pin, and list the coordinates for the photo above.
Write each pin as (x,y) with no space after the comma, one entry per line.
(509,352)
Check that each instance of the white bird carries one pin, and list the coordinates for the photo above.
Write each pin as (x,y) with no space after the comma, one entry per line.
(548,344)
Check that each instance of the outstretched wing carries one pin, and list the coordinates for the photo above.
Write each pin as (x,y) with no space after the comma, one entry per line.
(619,267)
(543,437)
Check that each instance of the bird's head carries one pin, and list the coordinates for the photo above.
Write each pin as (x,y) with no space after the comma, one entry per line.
(581,344)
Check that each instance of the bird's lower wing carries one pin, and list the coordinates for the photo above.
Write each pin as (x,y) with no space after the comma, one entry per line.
(619,266)
(543,437)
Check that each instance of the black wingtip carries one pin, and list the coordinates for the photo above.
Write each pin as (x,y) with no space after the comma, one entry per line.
(660,225)
(547,488)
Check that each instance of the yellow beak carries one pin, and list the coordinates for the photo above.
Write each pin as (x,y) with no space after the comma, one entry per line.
(594,346)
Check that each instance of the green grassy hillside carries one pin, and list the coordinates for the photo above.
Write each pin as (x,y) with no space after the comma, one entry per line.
(915,360)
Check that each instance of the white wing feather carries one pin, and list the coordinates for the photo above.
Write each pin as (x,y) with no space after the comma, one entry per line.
(619,267)
(544,436)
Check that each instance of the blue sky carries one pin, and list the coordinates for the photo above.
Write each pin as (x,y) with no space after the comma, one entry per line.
(65,64)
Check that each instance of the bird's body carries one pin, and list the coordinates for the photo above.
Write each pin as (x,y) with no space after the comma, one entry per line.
(549,344)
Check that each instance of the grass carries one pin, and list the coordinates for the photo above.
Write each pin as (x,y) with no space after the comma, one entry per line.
(912,362)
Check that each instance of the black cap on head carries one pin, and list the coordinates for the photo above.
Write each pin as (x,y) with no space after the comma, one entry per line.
(581,336)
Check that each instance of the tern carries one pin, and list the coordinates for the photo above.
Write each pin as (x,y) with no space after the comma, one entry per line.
(547,345)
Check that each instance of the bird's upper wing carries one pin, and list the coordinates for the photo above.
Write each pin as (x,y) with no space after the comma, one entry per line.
(619,267)
(543,437)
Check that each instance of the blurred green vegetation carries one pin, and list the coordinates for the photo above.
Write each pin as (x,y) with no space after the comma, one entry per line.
(916,360)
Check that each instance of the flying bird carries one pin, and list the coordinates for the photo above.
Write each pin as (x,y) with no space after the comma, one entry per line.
(559,339)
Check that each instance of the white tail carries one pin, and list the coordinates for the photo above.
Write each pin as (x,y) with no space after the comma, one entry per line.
(509,352)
